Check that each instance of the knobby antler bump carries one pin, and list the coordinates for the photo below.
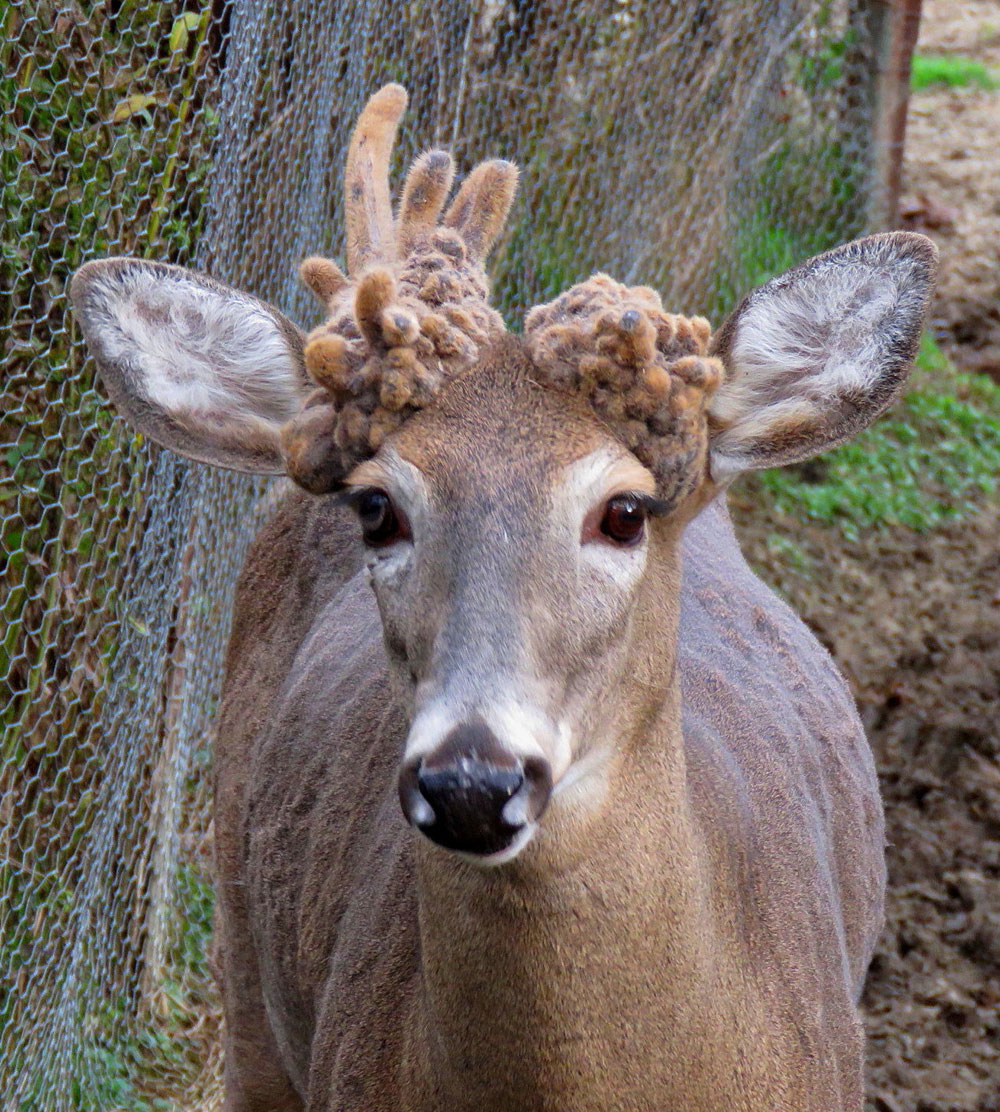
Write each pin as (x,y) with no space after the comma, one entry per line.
(412,312)
(324,278)
(646,373)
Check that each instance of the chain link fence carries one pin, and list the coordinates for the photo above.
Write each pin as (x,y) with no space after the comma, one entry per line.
(690,145)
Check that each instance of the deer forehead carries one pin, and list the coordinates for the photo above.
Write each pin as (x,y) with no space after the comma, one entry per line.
(536,483)
(497,432)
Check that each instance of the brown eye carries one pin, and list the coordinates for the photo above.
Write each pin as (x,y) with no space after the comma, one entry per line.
(624,519)
(380,523)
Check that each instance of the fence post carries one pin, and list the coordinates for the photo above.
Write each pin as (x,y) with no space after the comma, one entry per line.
(900,25)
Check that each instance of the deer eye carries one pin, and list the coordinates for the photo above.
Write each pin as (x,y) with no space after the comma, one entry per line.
(624,519)
(381,524)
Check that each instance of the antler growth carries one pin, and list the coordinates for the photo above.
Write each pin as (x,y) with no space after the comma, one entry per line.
(646,373)
(412,311)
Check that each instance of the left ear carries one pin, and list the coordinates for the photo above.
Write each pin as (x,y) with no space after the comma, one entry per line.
(814,356)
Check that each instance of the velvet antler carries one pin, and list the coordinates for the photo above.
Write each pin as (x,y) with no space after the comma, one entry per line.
(646,373)
(412,310)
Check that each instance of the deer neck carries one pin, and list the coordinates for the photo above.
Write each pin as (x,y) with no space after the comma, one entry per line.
(521,963)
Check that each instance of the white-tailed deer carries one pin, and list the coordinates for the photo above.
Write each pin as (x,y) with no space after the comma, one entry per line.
(645,867)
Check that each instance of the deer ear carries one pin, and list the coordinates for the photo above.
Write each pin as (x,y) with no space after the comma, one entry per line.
(816,355)
(194,365)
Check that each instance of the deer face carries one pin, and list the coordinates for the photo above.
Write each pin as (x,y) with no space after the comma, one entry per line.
(516,496)
(507,534)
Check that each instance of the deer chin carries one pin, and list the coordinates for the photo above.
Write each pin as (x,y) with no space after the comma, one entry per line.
(504,856)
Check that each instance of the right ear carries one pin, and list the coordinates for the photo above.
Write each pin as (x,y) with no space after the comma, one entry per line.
(196,366)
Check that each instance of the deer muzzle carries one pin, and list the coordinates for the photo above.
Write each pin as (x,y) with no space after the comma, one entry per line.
(473,795)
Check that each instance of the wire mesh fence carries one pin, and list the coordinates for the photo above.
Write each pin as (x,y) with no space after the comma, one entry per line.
(696,147)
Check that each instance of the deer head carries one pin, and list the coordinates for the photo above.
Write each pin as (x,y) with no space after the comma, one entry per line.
(520,498)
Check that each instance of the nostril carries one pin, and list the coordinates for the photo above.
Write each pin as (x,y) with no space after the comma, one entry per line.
(538,773)
(415,806)
(533,797)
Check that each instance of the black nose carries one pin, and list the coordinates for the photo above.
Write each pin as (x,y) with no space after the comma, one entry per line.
(471,794)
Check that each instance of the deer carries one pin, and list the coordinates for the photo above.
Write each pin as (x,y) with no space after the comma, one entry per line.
(529,796)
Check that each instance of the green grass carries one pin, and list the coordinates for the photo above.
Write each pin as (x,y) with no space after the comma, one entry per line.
(952,70)
(932,460)
(164,1056)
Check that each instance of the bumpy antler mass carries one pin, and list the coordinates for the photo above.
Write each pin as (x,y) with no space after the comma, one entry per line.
(646,373)
(412,312)
(413,309)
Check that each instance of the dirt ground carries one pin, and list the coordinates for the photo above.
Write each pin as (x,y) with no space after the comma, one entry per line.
(914,622)
(952,181)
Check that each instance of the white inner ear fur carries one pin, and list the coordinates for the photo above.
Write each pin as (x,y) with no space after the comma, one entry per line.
(816,340)
(807,350)
(198,350)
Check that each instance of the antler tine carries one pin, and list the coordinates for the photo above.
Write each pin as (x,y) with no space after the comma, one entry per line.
(323,277)
(479,210)
(367,203)
(426,188)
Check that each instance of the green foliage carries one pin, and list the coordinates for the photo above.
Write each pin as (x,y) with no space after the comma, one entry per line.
(810,192)
(951,70)
(797,184)
(196,898)
(161,1055)
(99,154)
(788,552)
(933,459)
(762,250)
(764,247)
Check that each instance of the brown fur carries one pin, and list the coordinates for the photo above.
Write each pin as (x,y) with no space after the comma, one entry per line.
(645,372)
(697,942)
(688,924)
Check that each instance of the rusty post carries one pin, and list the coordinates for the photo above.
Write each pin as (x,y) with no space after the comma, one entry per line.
(901,25)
